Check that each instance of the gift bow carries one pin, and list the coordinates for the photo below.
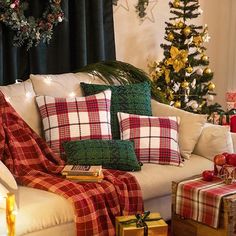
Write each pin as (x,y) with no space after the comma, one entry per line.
(141,221)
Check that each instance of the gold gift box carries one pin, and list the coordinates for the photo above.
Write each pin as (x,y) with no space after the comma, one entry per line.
(157,227)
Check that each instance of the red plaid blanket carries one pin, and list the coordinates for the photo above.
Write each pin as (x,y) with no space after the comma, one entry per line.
(199,200)
(34,164)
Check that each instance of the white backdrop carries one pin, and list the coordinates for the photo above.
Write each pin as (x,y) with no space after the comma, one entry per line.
(138,42)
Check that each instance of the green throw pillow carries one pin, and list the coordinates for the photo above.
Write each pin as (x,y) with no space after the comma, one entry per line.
(132,98)
(111,154)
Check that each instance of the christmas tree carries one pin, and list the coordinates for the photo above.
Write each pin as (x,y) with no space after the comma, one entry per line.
(184,75)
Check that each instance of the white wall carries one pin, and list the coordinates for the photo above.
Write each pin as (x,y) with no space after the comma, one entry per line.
(137,42)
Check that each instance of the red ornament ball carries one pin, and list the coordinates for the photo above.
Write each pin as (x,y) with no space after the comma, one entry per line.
(220,159)
(208,175)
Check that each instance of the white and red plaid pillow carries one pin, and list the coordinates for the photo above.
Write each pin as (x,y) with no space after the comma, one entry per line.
(155,138)
(78,118)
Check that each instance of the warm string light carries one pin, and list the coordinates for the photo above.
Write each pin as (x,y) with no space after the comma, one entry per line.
(48,80)
(72,95)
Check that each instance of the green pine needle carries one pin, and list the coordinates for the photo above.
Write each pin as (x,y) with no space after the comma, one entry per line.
(124,73)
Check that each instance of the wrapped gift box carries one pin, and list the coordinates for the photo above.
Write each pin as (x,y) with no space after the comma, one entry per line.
(231,96)
(155,227)
(230,105)
(220,119)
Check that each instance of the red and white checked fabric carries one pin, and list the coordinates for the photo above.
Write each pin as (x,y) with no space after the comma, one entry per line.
(200,200)
(34,164)
(78,118)
(155,138)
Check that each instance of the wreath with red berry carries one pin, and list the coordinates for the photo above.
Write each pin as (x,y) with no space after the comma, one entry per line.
(30,31)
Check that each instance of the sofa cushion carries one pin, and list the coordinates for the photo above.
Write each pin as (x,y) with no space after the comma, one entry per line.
(111,154)
(61,85)
(214,139)
(156,180)
(132,98)
(155,138)
(190,127)
(22,97)
(66,119)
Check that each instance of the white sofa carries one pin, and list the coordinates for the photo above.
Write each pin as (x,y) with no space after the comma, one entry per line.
(43,213)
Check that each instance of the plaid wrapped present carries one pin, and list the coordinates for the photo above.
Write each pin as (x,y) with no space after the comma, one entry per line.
(230,105)
(141,225)
(219,119)
(199,200)
(231,96)
(224,118)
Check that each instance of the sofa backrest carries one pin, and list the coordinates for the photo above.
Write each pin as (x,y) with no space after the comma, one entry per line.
(22,95)
(62,85)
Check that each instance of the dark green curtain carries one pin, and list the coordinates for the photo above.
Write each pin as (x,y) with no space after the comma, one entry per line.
(85,36)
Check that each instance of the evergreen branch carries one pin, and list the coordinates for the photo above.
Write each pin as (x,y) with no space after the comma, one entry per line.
(124,73)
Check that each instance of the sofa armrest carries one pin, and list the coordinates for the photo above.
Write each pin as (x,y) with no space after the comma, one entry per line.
(155,109)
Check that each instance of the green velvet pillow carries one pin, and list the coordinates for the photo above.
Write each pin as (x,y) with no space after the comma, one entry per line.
(131,98)
(111,154)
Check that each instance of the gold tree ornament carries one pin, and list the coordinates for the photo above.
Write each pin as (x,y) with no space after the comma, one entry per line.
(185,85)
(189,69)
(176,3)
(204,58)
(207,71)
(170,96)
(202,104)
(178,58)
(170,37)
(179,24)
(198,40)
(211,86)
(177,104)
(187,31)
(167,76)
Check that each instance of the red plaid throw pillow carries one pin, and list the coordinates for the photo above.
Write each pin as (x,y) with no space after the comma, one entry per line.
(78,118)
(155,138)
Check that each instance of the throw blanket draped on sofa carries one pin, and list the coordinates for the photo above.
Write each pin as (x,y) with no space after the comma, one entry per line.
(33,164)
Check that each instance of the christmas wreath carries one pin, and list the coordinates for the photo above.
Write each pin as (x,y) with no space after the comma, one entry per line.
(30,30)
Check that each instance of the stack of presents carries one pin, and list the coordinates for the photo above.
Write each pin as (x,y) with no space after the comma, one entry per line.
(229,117)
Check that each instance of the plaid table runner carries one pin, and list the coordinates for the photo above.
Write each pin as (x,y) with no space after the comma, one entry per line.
(200,200)
(33,164)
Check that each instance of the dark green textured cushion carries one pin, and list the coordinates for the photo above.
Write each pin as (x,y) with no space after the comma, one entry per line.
(111,154)
(132,98)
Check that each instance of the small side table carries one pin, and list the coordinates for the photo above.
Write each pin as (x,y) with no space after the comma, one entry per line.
(187,227)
